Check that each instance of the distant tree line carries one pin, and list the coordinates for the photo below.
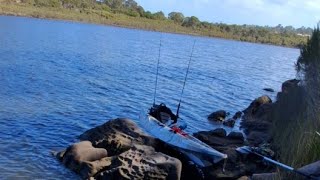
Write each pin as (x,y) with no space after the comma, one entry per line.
(279,35)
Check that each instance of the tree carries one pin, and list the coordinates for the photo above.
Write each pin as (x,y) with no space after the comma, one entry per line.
(191,21)
(141,11)
(148,15)
(176,17)
(159,15)
(114,4)
(131,4)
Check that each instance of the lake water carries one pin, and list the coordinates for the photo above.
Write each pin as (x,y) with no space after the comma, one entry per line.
(59,79)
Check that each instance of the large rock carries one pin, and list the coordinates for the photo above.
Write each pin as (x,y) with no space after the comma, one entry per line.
(237,115)
(289,84)
(218,115)
(219,132)
(119,149)
(77,154)
(236,136)
(117,136)
(256,121)
(289,88)
(256,104)
(139,162)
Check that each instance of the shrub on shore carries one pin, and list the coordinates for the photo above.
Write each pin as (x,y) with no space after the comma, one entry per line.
(297,114)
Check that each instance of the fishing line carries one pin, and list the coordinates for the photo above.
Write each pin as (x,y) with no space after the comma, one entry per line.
(159,55)
(185,79)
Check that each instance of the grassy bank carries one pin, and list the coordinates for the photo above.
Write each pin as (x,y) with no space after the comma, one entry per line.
(297,114)
(102,14)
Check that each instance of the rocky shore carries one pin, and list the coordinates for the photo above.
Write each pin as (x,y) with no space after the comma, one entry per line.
(119,149)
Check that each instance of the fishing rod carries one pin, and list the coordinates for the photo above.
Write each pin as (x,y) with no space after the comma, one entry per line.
(185,78)
(155,89)
(248,150)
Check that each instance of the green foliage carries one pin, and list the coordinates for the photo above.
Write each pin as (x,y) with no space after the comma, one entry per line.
(297,113)
(176,17)
(148,15)
(310,53)
(114,4)
(159,15)
(191,22)
(130,4)
(131,12)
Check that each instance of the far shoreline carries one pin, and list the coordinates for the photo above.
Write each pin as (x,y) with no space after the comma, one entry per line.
(141,29)
(124,21)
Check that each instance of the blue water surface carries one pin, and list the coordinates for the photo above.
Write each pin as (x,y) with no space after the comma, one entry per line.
(59,79)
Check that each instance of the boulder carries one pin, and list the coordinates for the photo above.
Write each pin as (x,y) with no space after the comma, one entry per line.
(236,136)
(219,132)
(139,162)
(117,136)
(119,149)
(256,120)
(260,136)
(237,115)
(218,115)
(289,84)
(219,141)
(79,153)
(230,122)
(256,104)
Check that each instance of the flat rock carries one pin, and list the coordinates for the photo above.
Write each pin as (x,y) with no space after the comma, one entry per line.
(77,154)
(139,162)
(119,149)
(117,136)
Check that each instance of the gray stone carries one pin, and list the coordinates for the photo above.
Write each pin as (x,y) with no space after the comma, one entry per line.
(218,115)
(236,135)
(219,132)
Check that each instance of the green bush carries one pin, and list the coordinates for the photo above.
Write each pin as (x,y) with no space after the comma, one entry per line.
(297,113)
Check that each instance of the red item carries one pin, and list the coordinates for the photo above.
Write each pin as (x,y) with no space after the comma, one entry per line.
(176,129)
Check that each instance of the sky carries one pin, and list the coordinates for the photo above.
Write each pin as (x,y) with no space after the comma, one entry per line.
(254,12)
